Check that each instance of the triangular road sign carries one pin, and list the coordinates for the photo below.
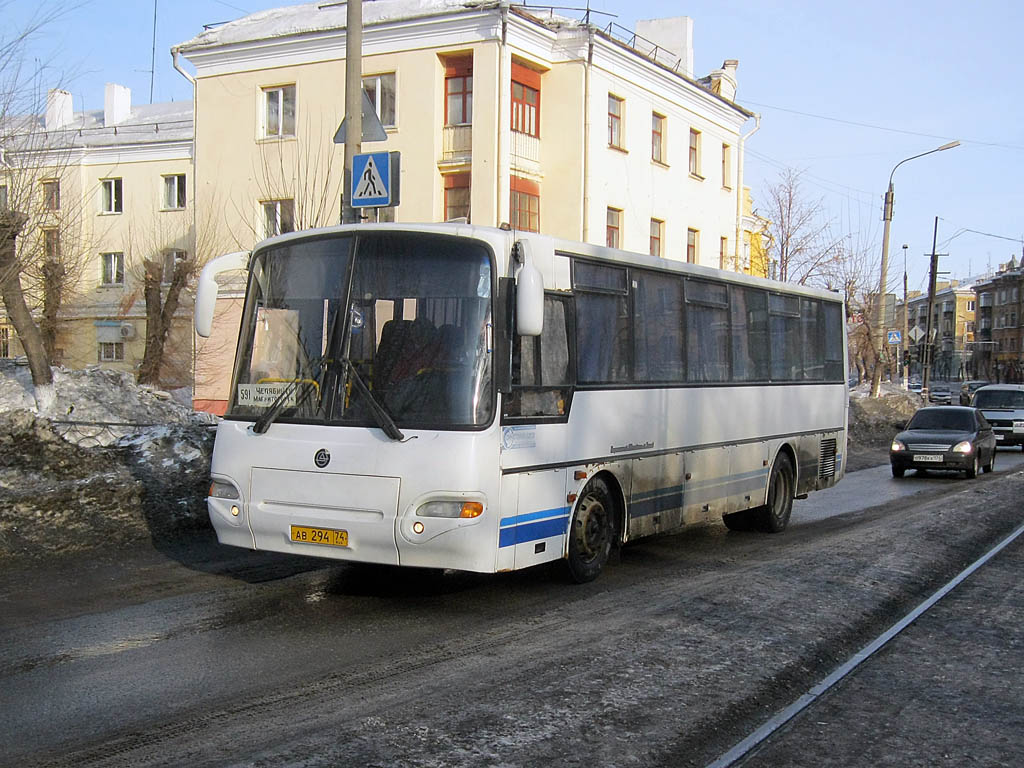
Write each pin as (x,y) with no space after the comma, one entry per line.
(372,129)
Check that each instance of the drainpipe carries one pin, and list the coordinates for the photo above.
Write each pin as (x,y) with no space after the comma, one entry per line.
(175,56)
(739,185)
(586,134)
(502,162)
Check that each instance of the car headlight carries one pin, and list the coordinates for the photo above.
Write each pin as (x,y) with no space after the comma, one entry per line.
(963,447)
(465,509)
(897,446)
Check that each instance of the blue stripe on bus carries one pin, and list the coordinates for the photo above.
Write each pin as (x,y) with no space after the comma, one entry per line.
(544,529)
(520,519)
(660,499)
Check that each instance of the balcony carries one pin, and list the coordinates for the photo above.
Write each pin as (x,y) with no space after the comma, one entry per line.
(985,299)
(457,144)
(525,153)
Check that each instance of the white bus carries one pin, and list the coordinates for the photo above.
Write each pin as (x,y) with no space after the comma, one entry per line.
(452,396)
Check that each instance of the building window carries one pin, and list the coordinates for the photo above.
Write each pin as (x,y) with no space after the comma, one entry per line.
(657,230)
(381,91)
(723,251)
(525,109)
(51,244)
(694,152)
(5,341)
(726,166)
(613,228)
(170,261)
(692,245)
(279,111)
(51,195)
(112,201)
(458,92)
(657,137)
(111,351)
(615,108)
(174,191)
(456,196)
(525,205)
(112,268)
(278,217)
(970,305)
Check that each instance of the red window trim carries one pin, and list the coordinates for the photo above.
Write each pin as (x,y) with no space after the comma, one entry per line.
(526,76)
(526,186)
(456,180)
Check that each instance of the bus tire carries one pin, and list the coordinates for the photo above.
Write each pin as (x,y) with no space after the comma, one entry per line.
(591,533)
(773,517)
(739,521)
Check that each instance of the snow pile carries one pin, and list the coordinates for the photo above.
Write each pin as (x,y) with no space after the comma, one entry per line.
(67,485)
(95,394)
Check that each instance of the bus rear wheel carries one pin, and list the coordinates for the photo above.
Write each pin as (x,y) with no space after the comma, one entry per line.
(773,517)
(592,533)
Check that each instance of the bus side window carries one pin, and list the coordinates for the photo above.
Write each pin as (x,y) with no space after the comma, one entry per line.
(542,371)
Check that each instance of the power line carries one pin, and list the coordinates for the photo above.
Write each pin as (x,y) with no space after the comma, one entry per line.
(883,127)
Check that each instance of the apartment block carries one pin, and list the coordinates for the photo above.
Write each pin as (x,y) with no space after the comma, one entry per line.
(999,348)
(102,192)
(953,330)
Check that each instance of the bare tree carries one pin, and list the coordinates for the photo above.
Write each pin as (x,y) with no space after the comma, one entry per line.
(800,241)
(36,272)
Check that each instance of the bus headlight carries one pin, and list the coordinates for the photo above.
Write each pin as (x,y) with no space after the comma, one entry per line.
(222,490)
(963,447)
(463,509)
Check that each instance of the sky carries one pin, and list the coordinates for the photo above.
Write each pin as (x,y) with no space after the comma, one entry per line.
(845,89)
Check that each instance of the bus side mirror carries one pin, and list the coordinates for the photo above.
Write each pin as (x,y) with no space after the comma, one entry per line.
(529,294)
(207,289)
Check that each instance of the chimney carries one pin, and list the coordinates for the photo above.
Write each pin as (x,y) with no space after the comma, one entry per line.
(674,35)
(117,104)
(59,112)
(723,81)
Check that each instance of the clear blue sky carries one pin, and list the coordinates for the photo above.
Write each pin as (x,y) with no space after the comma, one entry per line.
(845,89)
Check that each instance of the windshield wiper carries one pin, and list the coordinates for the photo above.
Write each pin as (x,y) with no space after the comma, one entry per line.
(280,402)
(380,415)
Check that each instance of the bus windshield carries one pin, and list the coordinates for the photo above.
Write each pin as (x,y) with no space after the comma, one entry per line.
(408,314)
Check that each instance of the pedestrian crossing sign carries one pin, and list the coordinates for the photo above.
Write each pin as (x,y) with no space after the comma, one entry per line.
(371,180)
(895,337)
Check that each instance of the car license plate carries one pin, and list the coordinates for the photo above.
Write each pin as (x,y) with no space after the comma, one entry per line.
(1000,437)
(329,536)
(928,457)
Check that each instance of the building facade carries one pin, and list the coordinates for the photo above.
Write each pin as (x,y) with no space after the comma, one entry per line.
(102,192)
(953,331)
(538,121)
(999,348)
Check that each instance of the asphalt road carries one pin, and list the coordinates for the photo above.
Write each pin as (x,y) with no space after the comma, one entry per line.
(210,656)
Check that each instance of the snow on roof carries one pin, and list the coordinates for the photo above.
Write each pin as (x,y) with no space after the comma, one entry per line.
(321,17)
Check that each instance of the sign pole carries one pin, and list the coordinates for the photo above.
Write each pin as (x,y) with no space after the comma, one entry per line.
(353,101)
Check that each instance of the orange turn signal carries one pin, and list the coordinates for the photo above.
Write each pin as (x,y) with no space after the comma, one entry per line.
(472,509)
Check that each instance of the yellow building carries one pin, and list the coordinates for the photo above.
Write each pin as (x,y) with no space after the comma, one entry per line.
(102,191)
(542,122)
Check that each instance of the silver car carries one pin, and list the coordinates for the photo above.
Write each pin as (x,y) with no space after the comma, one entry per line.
(1003,407)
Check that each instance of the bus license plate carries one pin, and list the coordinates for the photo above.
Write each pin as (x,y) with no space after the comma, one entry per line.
(927,457)
(329,536)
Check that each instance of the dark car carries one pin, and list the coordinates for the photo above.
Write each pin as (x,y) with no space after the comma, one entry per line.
(939,393)
(944,437)
(967,390)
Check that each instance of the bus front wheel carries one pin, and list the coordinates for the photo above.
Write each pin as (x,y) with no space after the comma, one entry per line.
(592,533)
(773,517)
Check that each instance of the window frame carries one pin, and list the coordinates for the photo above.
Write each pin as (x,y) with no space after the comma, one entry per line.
(175,192)
(51,194)
(657,237)
(658,123)
(278,229)
(282,92)
(116,349)
(379,80)
(726,166)
(694,154)
(170,258)
(613,231)
(461,182)
(692,246)
(116,270)
(616,121)
(112,196)
(524,190)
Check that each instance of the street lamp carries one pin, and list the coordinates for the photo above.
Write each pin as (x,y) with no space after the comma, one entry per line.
(904,366)
(876,379)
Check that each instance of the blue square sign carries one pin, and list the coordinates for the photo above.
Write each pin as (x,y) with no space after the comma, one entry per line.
(371,180)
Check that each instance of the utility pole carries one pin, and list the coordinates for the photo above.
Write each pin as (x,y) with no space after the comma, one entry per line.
(353,102)
(906,329)
(932,275)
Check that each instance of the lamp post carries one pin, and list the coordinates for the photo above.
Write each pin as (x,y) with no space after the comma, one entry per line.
(876,379)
